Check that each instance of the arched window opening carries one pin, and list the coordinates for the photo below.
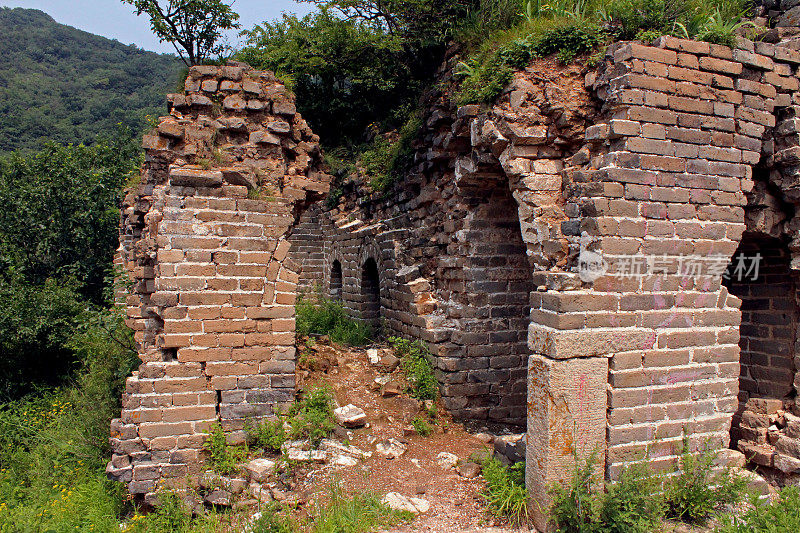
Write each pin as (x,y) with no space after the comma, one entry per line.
(335,292)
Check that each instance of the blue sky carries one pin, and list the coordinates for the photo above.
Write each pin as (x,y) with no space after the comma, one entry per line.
(115,20)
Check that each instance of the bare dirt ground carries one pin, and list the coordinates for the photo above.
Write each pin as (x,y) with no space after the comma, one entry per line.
(456,504)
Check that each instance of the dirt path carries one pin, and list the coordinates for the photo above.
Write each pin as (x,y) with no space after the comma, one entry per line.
(456,503)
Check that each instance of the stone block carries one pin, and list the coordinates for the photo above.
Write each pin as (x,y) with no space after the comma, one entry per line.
(566,416)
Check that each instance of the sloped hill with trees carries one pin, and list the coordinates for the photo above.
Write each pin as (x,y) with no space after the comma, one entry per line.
(66,85)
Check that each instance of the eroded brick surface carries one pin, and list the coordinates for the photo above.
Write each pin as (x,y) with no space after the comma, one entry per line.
(203,239)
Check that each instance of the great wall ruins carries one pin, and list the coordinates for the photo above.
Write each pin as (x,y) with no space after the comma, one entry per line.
(563,253)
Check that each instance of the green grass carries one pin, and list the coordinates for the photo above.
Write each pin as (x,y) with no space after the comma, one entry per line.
(357,513)
(267,434)
(415,362)
(312,417)
(574,28)
(54,445)
(222,457)
(421,426)
(505,491)
(640,500)
(782,516)
(324,316)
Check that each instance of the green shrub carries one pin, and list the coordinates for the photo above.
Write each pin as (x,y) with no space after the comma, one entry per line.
(698,490)
(414,360)
(359,513)
(223,458)
(421,426)
(634,503)
(312,417)
(576,507)
(569,41)
(781,516)
(267,434)
(385,161)
(323,316)
(54,445)
(172,515)
(505,491)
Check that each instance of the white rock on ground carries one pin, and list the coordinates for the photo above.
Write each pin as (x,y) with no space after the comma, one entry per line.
(446,460)
(398,502)
(314,456)
(391,448)
(372,353)
(350,416)
(260,469)
(332,446)
(343,460)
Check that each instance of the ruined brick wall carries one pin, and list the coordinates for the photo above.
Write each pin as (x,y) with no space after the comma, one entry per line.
(628,226)
(561,252)
(203,239)
(454,268)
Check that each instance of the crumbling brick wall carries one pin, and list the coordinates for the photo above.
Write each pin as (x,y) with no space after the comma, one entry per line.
(203,239)
(561,252)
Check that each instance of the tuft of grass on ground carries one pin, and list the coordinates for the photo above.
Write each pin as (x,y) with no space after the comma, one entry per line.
(415,362)
(505,492)
(357,513)
(312,417)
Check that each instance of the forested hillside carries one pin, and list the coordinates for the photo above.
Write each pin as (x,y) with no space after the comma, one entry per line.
(67,86)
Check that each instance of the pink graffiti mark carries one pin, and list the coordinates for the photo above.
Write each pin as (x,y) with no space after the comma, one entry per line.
(583,394)
(677,377)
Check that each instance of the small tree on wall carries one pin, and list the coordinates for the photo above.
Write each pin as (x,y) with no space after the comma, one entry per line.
(193,27)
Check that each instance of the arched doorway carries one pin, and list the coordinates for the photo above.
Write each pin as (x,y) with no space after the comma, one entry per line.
(370,293)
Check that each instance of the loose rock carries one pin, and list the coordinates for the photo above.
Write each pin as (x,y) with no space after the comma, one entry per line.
(468,470)
(398,502)
(260,469)
(446,460)
(350,416)
(391,448)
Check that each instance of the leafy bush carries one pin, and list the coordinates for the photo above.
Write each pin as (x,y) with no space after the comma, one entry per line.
(698,490)
(633,504)
(385,160)
(568,41)
(640,499)
(223,458)
(268,434)
(505,491)
(54,446)
(324,316)
(359,513)
(312,417)
(172,515)
(421,426)
(414,360)
(781,516)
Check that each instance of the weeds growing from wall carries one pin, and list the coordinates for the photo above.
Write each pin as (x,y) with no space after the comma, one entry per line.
(415,362)
(320,315)
(573,28)
(222,457)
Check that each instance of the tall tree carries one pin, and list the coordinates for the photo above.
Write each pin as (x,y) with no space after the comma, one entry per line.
(193,27)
